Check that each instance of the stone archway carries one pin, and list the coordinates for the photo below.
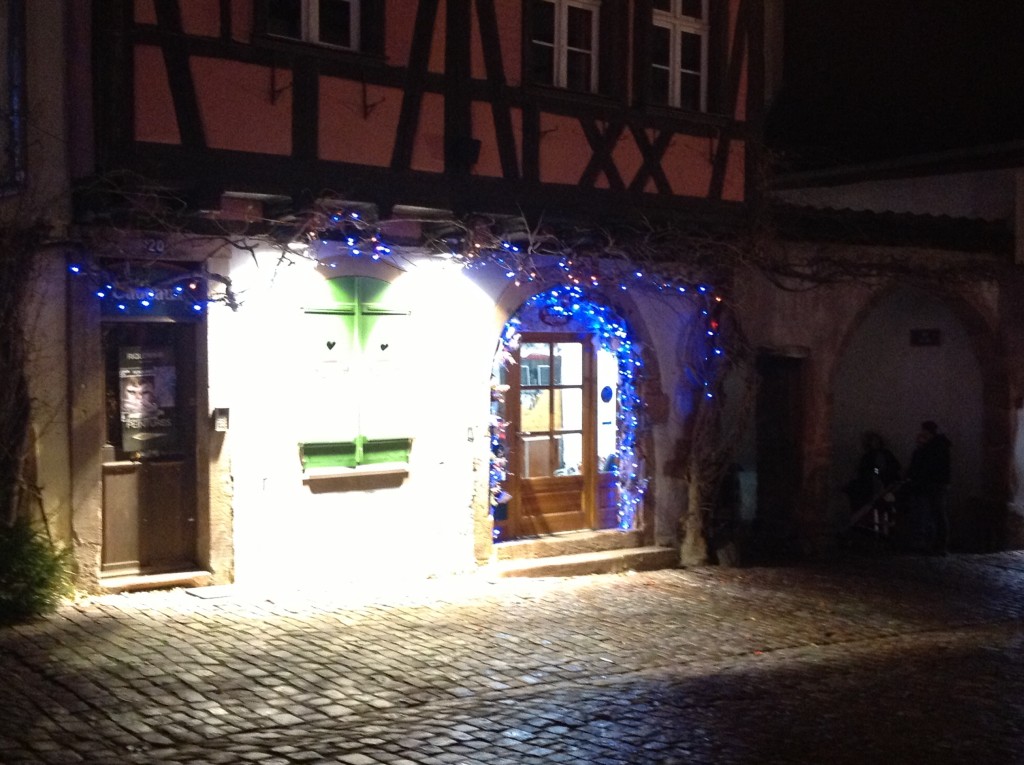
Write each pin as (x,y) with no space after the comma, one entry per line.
(914,355)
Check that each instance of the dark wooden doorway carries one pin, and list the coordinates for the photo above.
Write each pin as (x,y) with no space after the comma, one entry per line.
(780,423)
(149,469)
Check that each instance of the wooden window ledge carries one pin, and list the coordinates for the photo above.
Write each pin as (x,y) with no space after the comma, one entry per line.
(313,475)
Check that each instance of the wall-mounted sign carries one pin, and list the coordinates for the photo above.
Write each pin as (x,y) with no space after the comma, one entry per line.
(148,396)
(160,290)
(925,337)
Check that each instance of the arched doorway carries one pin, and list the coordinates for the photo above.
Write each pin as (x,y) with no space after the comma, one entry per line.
(913,358)
(564,419)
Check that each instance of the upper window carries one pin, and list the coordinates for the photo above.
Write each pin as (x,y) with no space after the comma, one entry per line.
(564,44)
(679,54)
(12,79)
(327,22)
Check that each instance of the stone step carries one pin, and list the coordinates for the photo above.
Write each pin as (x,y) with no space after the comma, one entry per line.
(130,582)
(568,543)
(580,564)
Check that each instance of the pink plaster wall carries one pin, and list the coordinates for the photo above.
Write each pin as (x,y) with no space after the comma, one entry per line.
(243,107)
(354,131)
(155,120)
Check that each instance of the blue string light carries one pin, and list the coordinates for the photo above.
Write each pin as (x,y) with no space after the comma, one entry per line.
(588,313)
(182,293)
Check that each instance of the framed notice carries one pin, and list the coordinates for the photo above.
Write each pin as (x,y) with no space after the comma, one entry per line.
(924,337)
(148,396)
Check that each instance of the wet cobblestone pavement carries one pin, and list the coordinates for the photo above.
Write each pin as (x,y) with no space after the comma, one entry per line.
(864,660)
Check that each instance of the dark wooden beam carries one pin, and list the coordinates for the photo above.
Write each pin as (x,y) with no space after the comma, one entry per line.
(415,84)
(305,110)
(202,176)
(458,123)
(113,79)
(225,20)
(501,111)
(179,74)
(601,161)
(738,55)
(652,154)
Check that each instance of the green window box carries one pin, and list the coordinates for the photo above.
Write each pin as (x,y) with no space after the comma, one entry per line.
(352,454)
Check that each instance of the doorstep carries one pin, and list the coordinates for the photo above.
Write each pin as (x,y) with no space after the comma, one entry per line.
(568,543)
(584,563)
(128,582)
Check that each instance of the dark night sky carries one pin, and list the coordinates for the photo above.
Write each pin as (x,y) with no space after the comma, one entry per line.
(874,79)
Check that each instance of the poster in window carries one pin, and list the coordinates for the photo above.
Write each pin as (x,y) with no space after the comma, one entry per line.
(149,420)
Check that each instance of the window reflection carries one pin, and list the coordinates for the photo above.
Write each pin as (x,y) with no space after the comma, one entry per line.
(552,455)
(568,363)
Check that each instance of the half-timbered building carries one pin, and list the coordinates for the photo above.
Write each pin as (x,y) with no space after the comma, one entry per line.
(351,298)
(360,290)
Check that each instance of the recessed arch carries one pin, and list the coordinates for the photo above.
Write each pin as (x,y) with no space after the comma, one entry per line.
(913,354)
(563,317)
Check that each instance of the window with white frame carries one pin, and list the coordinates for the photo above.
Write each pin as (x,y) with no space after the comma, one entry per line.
(679,54)
(564,43)
(327,22)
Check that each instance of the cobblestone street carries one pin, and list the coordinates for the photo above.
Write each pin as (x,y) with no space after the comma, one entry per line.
(871,659)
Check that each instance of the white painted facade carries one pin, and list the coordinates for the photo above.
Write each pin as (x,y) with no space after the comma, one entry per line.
(293,528)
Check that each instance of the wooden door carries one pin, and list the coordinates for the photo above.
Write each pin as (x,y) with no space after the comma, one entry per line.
(554,451)
(149,471)
(779,444)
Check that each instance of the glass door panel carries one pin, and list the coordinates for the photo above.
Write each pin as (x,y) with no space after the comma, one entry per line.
(567,412)
(569,448)
(534,411)
(568,363)
(537,456)
(535,365)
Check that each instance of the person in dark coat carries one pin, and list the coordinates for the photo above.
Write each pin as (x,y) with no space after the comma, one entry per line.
(877,470)
(928,477)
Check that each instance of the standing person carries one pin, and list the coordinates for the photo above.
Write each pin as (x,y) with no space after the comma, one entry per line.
(877,470)
(928,475)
